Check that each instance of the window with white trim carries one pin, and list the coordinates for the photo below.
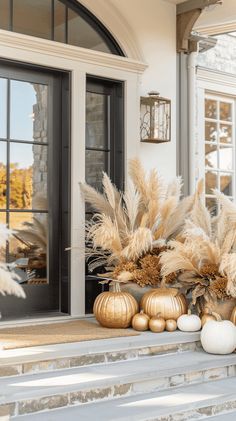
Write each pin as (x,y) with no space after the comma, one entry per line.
(219,125)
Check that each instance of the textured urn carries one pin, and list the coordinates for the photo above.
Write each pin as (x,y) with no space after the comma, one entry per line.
(167,301)
(222,307)
(233,316)
(115,309)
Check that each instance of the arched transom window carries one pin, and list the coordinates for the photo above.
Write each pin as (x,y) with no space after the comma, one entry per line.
(65,21)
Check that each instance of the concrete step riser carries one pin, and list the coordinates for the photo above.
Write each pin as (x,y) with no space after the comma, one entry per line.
(222,412)
(206,412)
(96,358)
(116,391)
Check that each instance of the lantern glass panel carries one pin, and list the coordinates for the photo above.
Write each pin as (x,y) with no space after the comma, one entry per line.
(155,119)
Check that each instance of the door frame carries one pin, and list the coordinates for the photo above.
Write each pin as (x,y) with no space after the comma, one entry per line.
(80,62)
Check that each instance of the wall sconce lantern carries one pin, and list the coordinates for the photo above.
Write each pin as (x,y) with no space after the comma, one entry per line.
(155,118)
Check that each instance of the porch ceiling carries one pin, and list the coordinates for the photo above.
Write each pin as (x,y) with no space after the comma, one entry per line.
(218,19)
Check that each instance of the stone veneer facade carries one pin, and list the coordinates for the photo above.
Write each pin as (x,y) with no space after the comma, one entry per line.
(222,57)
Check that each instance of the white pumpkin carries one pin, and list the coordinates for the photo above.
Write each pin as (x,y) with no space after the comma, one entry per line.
(189,322)
(219,337)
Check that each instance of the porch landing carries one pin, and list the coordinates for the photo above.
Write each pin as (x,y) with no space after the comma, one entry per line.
(65,355)
(162,377)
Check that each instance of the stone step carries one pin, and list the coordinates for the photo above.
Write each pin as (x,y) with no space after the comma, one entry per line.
(60,356)
(176,404)
(230,416)
(40,391)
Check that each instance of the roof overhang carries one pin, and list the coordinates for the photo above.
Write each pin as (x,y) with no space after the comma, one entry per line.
(218,20)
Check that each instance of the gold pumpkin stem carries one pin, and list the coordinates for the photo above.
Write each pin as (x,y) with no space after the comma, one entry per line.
(115,286)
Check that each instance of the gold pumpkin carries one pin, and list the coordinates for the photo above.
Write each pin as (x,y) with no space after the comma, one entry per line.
(140,321)
(157,324)
(115,309)
(167,301)
(233,316)
(207,316)
(171,325)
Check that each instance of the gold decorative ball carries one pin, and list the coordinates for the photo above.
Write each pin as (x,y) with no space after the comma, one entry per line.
(171,325)
(206,317)
(140,321)
(157,324)
(167,301)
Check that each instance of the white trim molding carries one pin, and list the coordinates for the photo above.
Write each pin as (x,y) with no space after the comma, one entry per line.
(217,81)
(218,29)
(69,52)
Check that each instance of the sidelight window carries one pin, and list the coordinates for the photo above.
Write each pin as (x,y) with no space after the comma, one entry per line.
(219,148)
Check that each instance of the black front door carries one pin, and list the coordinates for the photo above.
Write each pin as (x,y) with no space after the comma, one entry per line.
(32,150)
(104,147)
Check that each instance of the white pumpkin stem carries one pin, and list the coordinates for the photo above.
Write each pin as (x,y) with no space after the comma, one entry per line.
(207,310)
(217,316)
(189,312)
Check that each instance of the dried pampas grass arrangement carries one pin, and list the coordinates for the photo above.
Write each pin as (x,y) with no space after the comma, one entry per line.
(132,226)
(206,260)
(8,280)
(149,236)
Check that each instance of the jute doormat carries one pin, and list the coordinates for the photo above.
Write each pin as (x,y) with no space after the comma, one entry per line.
(58,333)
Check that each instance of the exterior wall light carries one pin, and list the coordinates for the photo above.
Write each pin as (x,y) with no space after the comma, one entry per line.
(155,125)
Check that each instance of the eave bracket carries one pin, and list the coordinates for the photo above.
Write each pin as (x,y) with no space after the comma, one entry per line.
(187,14)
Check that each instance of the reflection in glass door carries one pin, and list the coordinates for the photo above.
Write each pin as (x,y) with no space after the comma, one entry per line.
(24,162)
(29,173)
